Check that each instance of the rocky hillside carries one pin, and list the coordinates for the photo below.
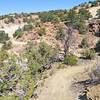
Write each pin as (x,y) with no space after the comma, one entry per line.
(46,53)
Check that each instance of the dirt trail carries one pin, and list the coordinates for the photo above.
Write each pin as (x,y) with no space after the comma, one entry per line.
(57,87)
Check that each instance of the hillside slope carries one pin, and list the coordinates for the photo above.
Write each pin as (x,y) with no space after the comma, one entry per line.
(93,11)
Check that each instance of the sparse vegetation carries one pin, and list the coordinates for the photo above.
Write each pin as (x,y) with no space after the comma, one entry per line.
(85,14)
(23,66)
(3,56)
(96,72)
(3,37)
(60,34)
(7,45)
(39,57)
(88,54)
(61,66)
(76,21)
(18,33)
(28,27)
(46,17)
(98,46)
(70,60)
(98,13)
(9,19)
(84,43)
(42,31)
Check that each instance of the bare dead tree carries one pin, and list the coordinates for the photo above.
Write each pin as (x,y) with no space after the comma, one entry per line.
(69,40)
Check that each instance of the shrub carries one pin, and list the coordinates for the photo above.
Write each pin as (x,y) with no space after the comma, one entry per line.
(98,46)
(7,45)
(9,98)
(47,52)
(96,72)
(70,60)
(72,17)
(97,33)
(39,57)
(88,54)
(82,27)
(84,43)
(60,34)
(61,66)
(18,33)
(85,14)
(46,17)
(28,20)
(9,19)
(3,55)
(35,67)
(3,37)
(76,21)
(98,13)
(42,31)
(28,27)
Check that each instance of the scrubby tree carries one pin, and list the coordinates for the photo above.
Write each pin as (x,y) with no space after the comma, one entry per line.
(98,46)
(3,37)
(72,17)
(39,57)
(3,56)
(60,35)
(98,13)
(88,54)
(76,21)
(27,27)
(85,14)
(80,25)
(10,19)
(7,45)
(96,72)
(47,17)
(18,33)
(84,43)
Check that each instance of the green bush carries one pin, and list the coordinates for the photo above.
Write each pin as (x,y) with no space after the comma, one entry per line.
(39,57)
(98,13)
(3,37)
(42,31)
(3,55)
(9,98)
(9,19)
(47,17)
(96,72)
(61,66)
(7,45)
(72,17)
(76,21)
(84,43)
(60,34)
(35,67)
(98,46)
(28,20)
(28,27)
(88,54)
(85,14)
(70,60)
(18,33)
